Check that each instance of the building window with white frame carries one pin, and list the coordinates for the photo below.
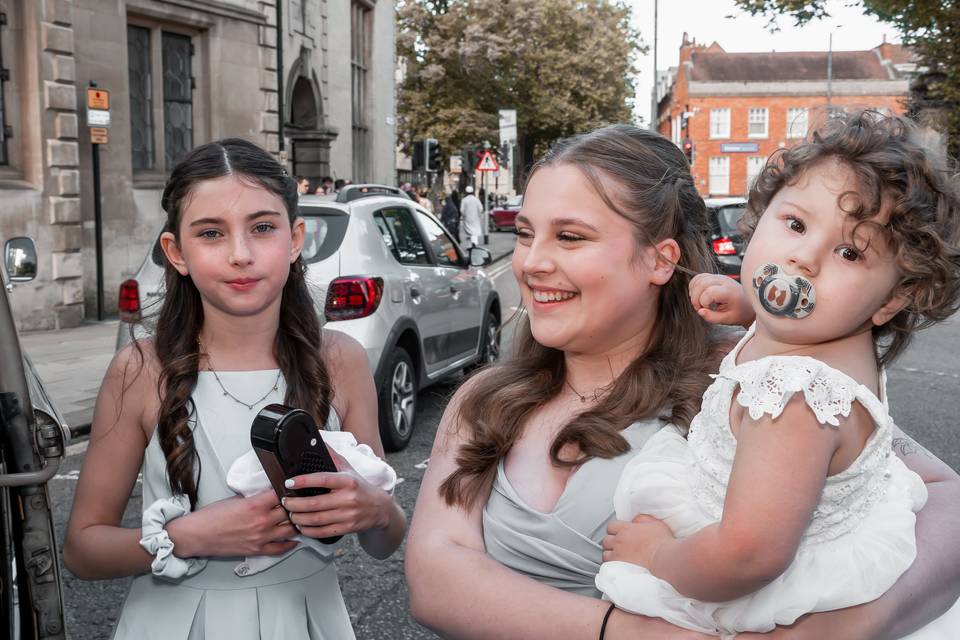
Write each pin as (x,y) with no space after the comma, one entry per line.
(797,122)
(757,122)
(719,176)
(719,123)
(755,165)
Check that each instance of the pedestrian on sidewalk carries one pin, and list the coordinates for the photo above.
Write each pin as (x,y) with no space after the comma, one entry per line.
(450,214)
(471,211)
(237,331)
(423,197)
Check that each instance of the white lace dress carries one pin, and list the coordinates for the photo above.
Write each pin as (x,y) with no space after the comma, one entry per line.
(861,537)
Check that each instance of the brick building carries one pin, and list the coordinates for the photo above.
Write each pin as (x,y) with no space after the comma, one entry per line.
(738,108)
(179,73)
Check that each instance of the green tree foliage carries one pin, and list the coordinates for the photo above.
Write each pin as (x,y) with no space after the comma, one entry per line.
(930,27)
(565,66)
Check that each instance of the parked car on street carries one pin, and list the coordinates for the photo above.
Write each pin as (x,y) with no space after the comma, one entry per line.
(503,218)
(32,439)
(726,241)
(386,272)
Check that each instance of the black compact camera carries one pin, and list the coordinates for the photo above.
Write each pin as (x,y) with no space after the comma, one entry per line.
(288,443)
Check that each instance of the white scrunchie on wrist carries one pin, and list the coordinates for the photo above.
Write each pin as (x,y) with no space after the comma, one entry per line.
(157,543)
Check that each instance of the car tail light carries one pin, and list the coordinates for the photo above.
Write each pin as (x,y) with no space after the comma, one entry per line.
(724,247)
(129,302)
(353,297)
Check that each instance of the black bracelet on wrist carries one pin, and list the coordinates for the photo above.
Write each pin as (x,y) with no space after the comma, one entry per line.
(606,617)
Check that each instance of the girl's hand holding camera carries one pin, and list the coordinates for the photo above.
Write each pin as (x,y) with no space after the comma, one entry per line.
(353,505)
(254,526)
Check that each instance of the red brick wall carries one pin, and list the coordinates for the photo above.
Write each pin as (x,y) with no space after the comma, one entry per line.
(777,106)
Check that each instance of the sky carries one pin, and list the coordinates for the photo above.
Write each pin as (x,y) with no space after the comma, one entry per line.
(706,21)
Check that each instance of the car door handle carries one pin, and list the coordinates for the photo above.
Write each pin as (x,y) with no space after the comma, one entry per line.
(414,292)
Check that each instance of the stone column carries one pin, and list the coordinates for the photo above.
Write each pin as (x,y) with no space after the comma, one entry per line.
(269,116)
(62,158)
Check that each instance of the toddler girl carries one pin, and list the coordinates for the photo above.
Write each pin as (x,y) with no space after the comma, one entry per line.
(785,497)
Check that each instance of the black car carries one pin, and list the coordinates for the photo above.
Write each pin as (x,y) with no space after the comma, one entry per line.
(726,242)
(32,438)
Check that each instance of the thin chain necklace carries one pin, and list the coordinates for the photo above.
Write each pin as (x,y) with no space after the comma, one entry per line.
(248,405)
(597,393)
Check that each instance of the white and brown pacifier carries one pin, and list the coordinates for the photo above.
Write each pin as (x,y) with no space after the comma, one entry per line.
(782,294)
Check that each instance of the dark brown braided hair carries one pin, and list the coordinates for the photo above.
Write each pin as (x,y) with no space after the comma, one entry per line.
(297,346)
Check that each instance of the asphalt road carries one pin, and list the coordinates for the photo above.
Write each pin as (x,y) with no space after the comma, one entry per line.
(924,391)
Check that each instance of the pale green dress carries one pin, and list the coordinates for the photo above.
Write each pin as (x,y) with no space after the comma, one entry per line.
(298,598)
(561,548)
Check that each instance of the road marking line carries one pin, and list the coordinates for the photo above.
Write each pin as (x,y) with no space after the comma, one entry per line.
(422,465)
(500,270)
(941,374)
(76,448)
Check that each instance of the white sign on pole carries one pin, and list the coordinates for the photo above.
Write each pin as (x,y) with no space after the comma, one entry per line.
(456,164)
(98,118)
(508,126)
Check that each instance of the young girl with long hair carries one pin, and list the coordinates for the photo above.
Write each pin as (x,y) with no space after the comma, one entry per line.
(506,536)
(785,495)
(237,330)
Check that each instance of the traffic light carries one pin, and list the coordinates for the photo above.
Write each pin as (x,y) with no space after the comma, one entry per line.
(503,156)
(418,158)
(469,160)
(431,154)
(687,147)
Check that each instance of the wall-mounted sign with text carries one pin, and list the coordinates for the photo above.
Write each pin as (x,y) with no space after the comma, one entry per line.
(739,147)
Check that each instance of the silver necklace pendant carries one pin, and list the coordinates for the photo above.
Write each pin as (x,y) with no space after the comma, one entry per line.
(249,406)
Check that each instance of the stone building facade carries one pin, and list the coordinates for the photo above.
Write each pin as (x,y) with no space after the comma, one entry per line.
(735,109)
(179,73)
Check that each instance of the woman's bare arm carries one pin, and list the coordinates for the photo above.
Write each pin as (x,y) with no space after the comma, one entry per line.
(97,546)
(928,588)
(357,398)
(459,591)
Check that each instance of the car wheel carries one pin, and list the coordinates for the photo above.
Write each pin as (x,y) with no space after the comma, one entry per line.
(397,400)
(490,346)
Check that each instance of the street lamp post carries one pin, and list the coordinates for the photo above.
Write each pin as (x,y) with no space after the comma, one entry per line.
(830,66)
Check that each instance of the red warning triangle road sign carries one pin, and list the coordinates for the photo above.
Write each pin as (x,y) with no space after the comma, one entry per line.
(488,162)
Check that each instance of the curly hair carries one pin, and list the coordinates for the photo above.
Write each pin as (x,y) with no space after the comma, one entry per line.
(897,170)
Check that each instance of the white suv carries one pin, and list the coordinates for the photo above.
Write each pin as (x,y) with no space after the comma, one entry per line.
(385,271)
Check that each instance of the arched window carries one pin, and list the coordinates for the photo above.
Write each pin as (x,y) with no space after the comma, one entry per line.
(303,105)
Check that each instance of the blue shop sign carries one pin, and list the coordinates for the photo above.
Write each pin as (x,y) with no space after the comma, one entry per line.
(739,147)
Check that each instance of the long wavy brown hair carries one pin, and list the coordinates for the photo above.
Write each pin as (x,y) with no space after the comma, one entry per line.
(297,346)
(896,168)
(653,189)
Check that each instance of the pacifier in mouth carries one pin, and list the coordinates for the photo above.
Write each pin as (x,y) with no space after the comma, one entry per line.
(782,294)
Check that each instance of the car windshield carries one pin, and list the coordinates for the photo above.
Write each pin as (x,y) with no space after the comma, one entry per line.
(728,218)
(515,202)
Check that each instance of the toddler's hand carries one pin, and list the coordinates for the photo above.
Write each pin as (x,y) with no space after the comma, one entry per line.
(635,542)
(720,300)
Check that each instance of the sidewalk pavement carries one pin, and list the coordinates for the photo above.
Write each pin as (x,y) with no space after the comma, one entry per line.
(72,362)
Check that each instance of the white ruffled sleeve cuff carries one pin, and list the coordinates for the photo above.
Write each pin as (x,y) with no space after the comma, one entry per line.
(157,543)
